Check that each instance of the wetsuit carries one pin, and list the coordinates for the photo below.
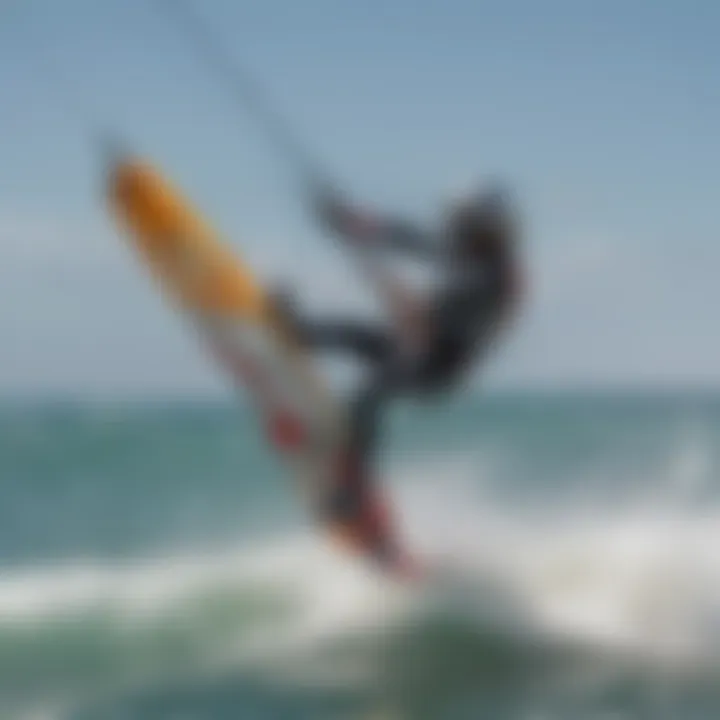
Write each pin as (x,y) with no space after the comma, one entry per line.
(461,318)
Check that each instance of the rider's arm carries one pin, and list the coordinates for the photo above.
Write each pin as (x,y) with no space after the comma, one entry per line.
(375,230)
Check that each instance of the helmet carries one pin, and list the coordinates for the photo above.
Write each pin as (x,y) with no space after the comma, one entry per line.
(481,224)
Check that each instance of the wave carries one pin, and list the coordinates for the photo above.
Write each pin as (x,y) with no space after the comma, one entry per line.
(641,587)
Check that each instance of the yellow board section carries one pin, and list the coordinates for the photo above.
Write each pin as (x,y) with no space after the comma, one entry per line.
(179,247)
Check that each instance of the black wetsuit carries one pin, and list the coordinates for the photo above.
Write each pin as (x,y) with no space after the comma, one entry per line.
(463,314)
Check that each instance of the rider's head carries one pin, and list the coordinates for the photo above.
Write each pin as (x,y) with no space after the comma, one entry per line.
(482,226)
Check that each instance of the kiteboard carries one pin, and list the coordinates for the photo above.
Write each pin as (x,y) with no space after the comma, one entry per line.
(235,319)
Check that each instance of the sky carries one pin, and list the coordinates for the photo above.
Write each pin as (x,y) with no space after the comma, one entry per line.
(602,117)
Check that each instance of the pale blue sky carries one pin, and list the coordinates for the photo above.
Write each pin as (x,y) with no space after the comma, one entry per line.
(604,116)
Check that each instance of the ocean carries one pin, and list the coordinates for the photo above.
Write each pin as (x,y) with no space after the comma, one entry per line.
(158,565)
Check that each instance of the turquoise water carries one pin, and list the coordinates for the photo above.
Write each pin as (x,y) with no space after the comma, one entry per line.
(156,564)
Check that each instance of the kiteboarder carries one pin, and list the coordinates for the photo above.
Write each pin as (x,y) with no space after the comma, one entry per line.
(440,335)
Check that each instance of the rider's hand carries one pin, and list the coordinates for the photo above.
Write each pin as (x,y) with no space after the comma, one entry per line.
(342,217)
(331,210)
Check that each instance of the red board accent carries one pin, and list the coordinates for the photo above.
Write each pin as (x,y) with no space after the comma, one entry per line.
(286,431)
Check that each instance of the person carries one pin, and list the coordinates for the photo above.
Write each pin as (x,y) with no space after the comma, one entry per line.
(438,336)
